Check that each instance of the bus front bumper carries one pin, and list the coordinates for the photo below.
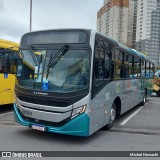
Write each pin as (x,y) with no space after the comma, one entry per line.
(78,126)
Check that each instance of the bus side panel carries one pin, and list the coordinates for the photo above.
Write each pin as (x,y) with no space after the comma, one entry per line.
(128,91)
(102,103)
(134,91)
(5,89)
(5,98)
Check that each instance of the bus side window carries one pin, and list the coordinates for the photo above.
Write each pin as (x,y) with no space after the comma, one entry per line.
(99,66)
(13,66)
(143,71)
(147,69)
(1,63)
(137,67)
(13,62)
(101,73)
(119,68)
(131,70)
(102,65)
(106,66)
(151,71)
(126,65)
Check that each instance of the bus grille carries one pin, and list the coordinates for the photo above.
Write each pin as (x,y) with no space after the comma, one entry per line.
(42,122)
(46,102)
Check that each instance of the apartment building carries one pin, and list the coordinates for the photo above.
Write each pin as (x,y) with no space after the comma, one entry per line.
(148,29)
(117,19)
(132,25)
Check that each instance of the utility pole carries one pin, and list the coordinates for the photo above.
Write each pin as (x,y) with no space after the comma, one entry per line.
(30,15)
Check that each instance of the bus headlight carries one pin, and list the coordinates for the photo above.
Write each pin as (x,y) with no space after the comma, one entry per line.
(78,110)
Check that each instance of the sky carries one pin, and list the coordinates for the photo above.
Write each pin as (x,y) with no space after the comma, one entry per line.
(47,14)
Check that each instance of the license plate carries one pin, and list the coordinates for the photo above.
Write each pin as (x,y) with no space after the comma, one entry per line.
(38,127)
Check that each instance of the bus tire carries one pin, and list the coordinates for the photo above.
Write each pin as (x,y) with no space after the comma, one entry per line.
(112,117)
(144,100)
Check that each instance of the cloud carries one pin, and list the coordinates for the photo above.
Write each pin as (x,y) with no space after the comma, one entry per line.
(47,14)
(13,20)
(65,14)
(2,6)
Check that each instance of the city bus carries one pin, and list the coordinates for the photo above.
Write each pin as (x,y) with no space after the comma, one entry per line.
(8,62)
(77,81)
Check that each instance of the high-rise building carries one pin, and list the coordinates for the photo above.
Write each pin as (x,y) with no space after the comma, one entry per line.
(132,23)
(117,19)
(148,29)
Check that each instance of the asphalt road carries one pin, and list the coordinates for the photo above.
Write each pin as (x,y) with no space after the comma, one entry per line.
(141,132)
(146,121)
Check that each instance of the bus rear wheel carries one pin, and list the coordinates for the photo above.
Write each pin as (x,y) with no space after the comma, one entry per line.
(144,100)
(112,117)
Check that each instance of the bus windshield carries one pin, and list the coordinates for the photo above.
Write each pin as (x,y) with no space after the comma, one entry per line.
(50,70)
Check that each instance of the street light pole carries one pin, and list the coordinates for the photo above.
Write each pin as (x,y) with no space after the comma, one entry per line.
(30,15)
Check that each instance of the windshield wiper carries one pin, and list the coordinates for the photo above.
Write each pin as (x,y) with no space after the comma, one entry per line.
(54,60)
(34,57)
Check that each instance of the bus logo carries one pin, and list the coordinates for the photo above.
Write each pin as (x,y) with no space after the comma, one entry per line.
(40,93)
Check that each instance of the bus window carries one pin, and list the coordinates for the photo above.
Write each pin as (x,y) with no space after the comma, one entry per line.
(13,62)
(1,63)
(153,68)
(131,71)
(33,72)
(143,71)
(147,70)
(4,63)
(151,71)
(8,63)
(126,65)
(101,67)
(118,64)
(137,67)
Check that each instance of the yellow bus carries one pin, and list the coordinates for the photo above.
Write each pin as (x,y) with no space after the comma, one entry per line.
(8,63)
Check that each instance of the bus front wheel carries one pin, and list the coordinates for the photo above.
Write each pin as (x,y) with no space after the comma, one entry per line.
(112,117)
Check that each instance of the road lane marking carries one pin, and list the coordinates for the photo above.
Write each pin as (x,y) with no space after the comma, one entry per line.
(5,113)
(132,115)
